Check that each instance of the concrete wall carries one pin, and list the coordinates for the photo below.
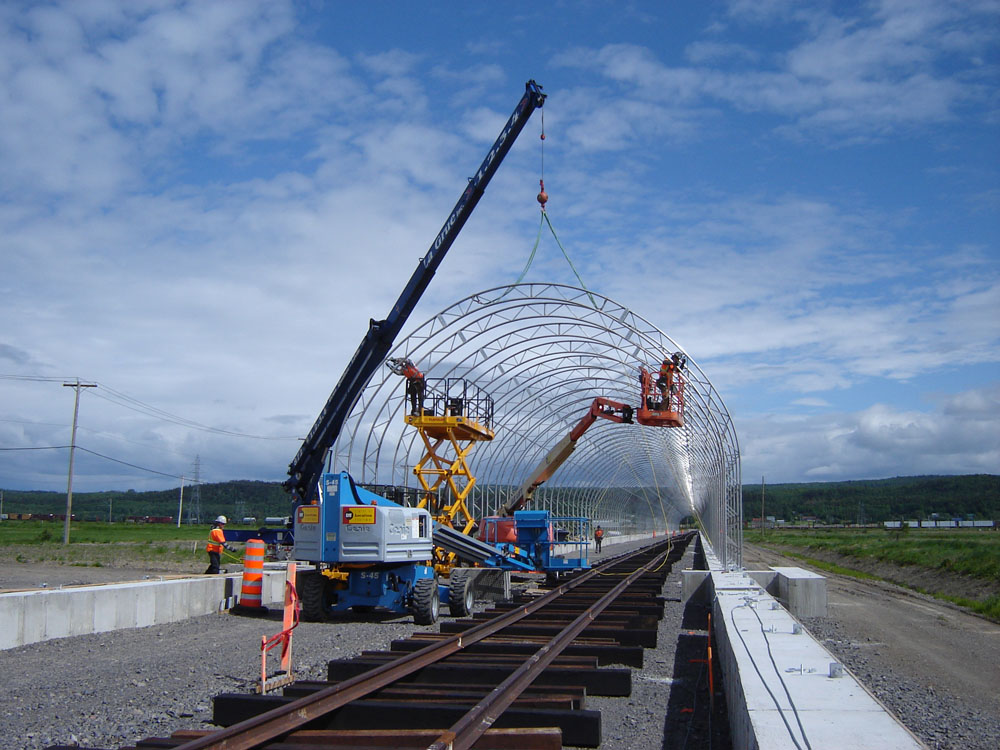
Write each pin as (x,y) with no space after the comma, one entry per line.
(781,685)
(32,616)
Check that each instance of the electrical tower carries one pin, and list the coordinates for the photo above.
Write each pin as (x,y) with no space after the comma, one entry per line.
(194,506)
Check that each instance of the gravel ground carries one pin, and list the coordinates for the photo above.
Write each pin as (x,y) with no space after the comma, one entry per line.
(112,689)
(652,716)
(939,718)
(931,663)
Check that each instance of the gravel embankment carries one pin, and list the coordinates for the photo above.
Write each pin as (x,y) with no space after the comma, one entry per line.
(940,719)
(112,689)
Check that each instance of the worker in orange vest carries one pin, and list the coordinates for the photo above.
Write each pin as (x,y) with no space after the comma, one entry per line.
(666,383)
(598,537)
(216,543)
(415,382)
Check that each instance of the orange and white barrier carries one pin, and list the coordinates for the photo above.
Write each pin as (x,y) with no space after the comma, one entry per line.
(253,573)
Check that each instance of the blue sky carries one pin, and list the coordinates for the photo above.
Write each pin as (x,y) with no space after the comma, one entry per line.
(202,204)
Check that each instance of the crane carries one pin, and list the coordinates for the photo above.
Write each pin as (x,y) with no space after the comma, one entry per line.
(368,551)
(306,468)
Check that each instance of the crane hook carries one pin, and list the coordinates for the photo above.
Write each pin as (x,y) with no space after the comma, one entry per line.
(543,197)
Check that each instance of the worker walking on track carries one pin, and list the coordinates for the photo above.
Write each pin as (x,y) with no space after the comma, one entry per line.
(598,537)
(216,543)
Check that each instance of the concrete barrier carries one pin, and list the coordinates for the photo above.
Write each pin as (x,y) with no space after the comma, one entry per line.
(782,686)
(33,616)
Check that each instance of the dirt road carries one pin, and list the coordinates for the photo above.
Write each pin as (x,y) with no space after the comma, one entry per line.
(935,665)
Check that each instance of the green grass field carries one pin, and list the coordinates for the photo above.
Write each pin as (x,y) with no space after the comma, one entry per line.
(91,532)
(963,552)
(104,545)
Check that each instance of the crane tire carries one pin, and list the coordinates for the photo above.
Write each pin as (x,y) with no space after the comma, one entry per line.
(426,601)
(461,595)
(311,590)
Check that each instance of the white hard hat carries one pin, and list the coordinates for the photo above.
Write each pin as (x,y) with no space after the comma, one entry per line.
(221,519)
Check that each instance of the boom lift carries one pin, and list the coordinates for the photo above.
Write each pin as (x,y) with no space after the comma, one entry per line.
(603,408)
(534,530)
(663,407)
(390,565)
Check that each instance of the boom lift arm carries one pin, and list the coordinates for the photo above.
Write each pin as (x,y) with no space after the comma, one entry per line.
(603,408)
(306,468)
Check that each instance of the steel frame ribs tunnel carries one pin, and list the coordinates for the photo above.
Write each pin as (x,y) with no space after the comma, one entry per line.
(544,352)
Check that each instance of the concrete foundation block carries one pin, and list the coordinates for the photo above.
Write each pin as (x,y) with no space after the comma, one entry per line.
(145,604)
(57,615)
(801,591)
(105,614)
(696,586)
(766,579)
(82,615)
(11,620)
(34,617)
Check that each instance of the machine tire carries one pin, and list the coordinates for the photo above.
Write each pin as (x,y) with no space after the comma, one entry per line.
(461,593)
(311,594)
(426,601)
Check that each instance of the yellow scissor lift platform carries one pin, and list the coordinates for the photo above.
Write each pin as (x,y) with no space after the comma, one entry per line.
(454,415)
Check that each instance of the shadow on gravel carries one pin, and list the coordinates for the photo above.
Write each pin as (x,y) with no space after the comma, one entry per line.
(693,720)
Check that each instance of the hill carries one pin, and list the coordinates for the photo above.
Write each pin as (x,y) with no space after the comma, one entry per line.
(836,502)
(912,498)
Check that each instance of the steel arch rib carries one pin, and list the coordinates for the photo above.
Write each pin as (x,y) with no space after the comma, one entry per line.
(544,352)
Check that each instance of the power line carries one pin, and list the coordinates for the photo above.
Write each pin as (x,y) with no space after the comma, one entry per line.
(134,404)
(37,448)
(35,378)
(136,466)
(119,398)
(109,458)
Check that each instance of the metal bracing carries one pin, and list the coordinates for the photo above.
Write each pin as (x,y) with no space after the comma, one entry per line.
(544,352)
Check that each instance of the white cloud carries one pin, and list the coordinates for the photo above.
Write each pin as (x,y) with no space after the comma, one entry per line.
(881,70)
(203,207)
(960,436)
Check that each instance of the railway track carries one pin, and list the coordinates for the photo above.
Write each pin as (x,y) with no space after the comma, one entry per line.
(516,676)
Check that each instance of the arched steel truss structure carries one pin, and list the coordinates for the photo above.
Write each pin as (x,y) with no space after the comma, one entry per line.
(544,352)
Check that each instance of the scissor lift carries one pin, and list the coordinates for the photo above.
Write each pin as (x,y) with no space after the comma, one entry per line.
(455,415)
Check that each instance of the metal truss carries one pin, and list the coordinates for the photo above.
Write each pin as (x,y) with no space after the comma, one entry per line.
(544,352)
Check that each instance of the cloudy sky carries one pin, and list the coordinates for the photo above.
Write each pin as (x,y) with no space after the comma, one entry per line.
(203,203)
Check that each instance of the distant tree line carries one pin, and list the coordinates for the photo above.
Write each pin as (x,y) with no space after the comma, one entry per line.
(877,500)
(257,499)
(836,502)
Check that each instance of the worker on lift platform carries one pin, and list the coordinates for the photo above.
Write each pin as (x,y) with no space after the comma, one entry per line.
(667,382)
(416,385)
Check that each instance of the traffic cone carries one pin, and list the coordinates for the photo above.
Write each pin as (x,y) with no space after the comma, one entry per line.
(253,580)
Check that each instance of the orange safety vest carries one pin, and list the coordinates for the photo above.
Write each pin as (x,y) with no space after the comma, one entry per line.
(215,540)
(599,534)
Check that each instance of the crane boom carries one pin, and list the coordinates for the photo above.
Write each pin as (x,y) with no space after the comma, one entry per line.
(306,468)
(601,407)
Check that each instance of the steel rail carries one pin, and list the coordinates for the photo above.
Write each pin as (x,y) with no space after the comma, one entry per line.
(258,730)
(467,730)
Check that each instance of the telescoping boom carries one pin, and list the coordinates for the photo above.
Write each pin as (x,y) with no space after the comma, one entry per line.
(306,468)
(601,407)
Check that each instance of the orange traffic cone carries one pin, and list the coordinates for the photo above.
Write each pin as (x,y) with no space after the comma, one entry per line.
(253,579)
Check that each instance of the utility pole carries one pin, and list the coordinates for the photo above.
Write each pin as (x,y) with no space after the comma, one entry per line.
(72,450)
(180,504)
